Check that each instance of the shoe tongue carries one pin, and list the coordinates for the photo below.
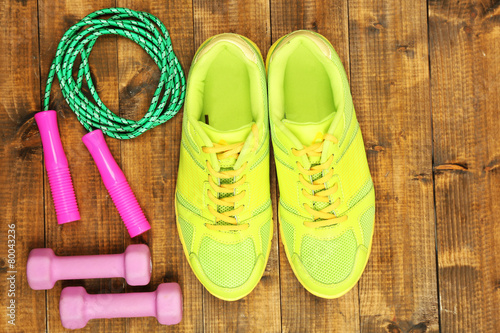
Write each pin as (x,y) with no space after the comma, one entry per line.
(227,138)
(309,133)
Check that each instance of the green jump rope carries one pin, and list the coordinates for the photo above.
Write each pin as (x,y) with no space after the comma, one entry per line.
(150,33)
(139,27)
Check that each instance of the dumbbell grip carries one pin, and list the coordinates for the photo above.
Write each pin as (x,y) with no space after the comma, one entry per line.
(121,305)
(88,267)
(56,163)
(116,184)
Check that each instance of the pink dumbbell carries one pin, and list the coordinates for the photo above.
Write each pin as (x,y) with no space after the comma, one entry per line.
(76,307)
(44,268)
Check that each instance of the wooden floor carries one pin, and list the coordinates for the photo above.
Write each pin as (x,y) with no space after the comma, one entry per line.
(425,80)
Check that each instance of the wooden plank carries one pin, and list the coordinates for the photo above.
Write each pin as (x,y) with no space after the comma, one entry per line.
(302,311)
(248,18)
(390,87)
(21,195)
(100,230)
(260,310)
(150,161)
(465,71)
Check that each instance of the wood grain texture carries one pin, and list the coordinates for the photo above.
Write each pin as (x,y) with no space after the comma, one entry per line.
(261,309)
(151,160)
(425,81)
(100,230)
(390,87)
(465,58)
(302,311)
(248,18)
(21,176)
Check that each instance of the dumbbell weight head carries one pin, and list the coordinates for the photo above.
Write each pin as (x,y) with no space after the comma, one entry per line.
(169,304)
(138,265)
(72,307)
(39,269)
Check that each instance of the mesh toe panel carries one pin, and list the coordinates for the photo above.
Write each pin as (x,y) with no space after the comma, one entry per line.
(329,261)
(227,265)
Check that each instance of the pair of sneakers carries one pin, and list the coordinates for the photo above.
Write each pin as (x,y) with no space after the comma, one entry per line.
(223,204)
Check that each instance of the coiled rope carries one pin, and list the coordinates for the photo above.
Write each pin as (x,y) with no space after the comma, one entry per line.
(140,27)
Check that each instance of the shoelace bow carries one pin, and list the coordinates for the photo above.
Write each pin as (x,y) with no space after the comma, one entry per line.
(321,193)
(224,151)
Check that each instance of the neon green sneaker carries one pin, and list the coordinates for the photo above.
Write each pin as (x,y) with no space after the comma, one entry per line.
(327,200)
(223,202)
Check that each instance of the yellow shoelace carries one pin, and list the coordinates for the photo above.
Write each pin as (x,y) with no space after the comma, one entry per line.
(321,217)
(224,151)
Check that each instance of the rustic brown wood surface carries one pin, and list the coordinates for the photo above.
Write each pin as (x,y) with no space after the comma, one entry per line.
(390,87)
(425,79)
(465,71)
